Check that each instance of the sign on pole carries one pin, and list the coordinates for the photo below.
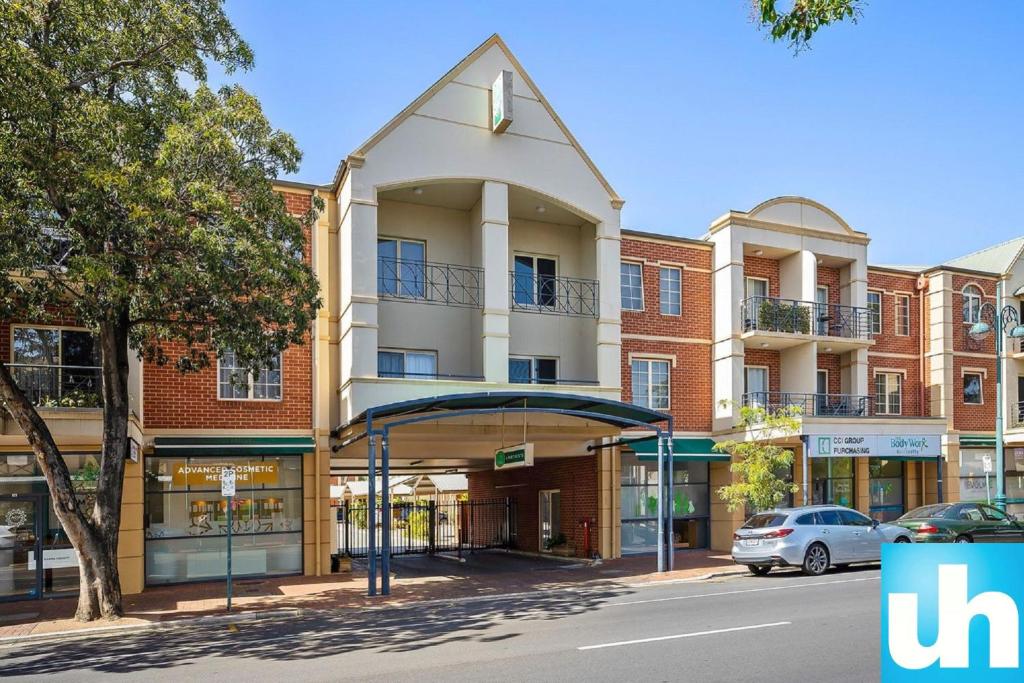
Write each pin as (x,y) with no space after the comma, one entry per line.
(227,489)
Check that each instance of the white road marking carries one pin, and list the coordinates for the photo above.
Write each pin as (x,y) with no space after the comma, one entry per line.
(737,592)
(685,635)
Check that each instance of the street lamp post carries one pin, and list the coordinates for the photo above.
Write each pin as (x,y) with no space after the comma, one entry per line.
(1004,321)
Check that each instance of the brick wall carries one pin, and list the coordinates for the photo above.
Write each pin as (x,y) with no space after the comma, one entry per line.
(829,277)
(759,266)
(833,363)
(648,332)
(960,339)
(895,352)
(769,358)
(576,480)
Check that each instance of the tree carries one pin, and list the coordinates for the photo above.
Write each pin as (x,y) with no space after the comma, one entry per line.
(759,464)
(157,201)
(804,18)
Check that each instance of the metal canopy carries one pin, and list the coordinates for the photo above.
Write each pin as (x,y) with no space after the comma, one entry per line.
(380,420)
(646,448)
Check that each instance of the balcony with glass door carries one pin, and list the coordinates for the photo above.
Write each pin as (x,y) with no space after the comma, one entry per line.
(536,287)
(404,274)
(776,323)
(56,368)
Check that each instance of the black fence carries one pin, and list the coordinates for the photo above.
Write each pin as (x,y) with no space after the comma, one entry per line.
(429,527)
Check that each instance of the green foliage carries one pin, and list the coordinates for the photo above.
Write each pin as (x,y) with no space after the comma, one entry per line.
(803,18)
(161,194)
(775,316)
(76,398)
(758,461)
(555,541)
(418,523)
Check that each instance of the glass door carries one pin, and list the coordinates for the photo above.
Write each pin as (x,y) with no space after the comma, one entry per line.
(821,312)
(550,519)
(19,547)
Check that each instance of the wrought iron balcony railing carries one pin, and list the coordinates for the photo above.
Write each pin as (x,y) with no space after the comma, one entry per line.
(770,314)
(560,380)
(59,386)
(1017,418)
(430,283)
(551,294)
(812,405)
(428,375)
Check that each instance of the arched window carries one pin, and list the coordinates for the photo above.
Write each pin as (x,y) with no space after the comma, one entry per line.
(972,304)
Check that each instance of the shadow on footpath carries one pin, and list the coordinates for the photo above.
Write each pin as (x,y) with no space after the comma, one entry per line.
(308,637)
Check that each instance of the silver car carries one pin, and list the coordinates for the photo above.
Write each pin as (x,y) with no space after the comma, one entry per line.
(814,538)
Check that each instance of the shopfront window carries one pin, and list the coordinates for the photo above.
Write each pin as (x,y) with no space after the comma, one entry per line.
(886,489)
(639,504)
(186,518)
(833,481)
(973,483)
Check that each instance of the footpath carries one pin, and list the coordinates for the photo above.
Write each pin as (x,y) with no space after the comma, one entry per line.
(415,579)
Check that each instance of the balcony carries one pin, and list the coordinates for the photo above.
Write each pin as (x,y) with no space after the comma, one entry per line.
(574,297)
(429,283)
(812,405)
(59,386)
(781,323)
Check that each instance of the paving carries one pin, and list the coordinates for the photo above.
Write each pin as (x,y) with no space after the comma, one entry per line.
(415,579)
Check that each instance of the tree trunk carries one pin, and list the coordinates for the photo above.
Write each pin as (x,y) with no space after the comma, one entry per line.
(93,533)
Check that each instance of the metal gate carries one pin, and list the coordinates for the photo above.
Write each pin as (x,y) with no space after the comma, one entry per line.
(429,527)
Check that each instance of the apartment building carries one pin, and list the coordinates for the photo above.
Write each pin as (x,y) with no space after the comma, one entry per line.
(484,314)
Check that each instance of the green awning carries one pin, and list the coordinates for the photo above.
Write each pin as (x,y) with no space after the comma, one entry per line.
(977,441)
(232,445)
(646,448)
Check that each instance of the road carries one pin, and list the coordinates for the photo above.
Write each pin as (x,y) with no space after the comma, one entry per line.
(783,627)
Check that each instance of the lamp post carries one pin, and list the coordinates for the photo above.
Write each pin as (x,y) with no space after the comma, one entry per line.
(1004,321)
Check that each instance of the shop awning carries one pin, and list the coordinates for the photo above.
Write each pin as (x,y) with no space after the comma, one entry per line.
(683,449)
(232,445)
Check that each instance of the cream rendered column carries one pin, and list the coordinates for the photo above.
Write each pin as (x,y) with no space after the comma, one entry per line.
(857,290)
(798,365)
(357,208)
(609,327)
(728,355)
(494,258)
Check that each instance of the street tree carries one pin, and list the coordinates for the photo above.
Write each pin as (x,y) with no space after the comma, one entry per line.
(796,21)
(137,200)
(760,463)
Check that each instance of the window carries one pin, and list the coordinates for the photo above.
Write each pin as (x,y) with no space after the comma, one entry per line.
(235,383)
(533,281)
(853,518)
(875,312)
(821,310)
(401,268)
(56,367)
(632,278)
(885,481)
(972,304)
(993,514)
(671,291)
(763,520)
(972,388)
(651,384)
(888,393)
(638,498)
(533,370)
(755,385)
(407,364)
(903,315)
(832,482)
(755,287)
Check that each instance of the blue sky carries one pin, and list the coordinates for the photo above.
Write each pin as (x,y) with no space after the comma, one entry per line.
(908,124)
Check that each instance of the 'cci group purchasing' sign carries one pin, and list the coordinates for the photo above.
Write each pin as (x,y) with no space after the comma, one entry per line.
(514,456)
(873,446)
(952,612)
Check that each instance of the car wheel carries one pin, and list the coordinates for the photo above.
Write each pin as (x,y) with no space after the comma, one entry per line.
(759,570)
(962,538)
(902,539)
(816,560)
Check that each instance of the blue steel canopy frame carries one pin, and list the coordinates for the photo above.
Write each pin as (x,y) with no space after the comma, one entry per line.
(585,408)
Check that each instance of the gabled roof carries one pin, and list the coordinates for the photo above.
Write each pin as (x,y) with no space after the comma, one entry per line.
(998,258)
(495,40)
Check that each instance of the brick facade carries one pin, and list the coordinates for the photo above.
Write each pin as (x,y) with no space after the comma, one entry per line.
(765,268)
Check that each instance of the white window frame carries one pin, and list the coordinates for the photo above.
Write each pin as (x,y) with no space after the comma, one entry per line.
(981,386)
(405,353)
(536,280)
(767,377)
(876,317)
(649,399)
(640,265)
(746,286)
(974,311)
(533,367)
(661,290)
(817,373)
(399,241)
(898,318)
(250,383)
(888,375)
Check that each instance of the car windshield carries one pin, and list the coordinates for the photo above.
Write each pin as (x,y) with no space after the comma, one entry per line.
(763,520)
(926,511)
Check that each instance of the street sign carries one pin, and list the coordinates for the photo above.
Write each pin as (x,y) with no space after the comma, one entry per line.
(227,481)
(514,456)
(986,463)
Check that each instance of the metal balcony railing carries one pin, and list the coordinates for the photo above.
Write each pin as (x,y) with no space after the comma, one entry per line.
(59,386)
(1017,417)
(430,283)
(812,405)
(429,375)
(770,314)
(560,380)
(551,294)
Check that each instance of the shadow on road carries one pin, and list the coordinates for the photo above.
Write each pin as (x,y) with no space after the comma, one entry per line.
(323,634)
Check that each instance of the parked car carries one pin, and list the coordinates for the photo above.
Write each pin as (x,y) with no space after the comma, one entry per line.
(961,523)
(813,537)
